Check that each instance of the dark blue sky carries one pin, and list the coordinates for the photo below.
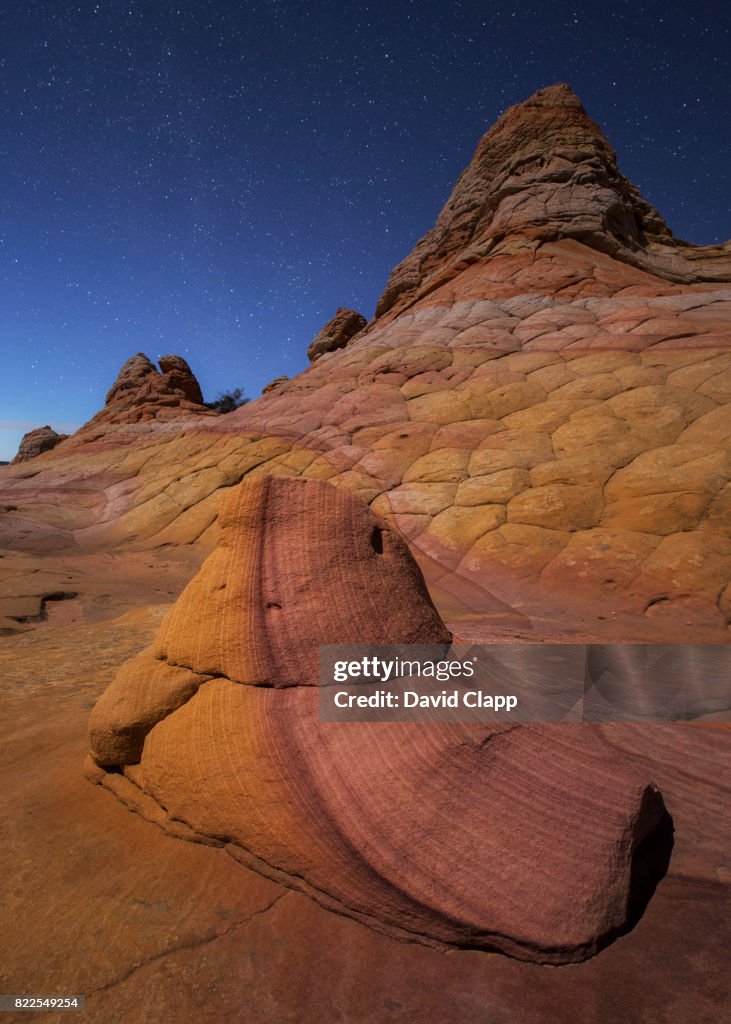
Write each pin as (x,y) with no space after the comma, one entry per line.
(214,178)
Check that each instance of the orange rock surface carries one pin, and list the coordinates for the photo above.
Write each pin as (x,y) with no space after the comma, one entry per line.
(526,840)
(102,902)
(541,409)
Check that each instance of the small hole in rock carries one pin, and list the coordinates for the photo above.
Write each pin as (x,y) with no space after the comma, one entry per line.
(377,540)
(273,604)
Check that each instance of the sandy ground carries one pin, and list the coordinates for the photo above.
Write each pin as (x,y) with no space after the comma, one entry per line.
(99,902)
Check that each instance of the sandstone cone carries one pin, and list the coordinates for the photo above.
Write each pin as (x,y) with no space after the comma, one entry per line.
(543,172)
(538,842)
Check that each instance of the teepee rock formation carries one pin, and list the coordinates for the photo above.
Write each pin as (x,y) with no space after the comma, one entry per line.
(540,843)
(545,171)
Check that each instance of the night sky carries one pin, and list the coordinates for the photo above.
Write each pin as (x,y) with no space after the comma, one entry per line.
(215,179)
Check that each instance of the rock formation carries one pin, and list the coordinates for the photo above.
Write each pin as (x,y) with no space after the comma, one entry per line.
(541,408)
(336,333)
(544,172)
(180,377)
(547,425)
(42,439)
(274,384)
(533,841)
(141,392)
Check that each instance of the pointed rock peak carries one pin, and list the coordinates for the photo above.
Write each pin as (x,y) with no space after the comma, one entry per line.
(558,95)
(139,374)
(132,374)
(174,364)
(544,171)
(181,377)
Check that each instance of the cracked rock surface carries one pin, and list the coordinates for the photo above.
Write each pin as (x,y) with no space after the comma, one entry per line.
(541,407)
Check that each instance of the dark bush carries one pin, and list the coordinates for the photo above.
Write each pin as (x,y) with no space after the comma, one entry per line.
(227,401)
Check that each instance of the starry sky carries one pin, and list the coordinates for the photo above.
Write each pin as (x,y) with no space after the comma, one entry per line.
(214,179)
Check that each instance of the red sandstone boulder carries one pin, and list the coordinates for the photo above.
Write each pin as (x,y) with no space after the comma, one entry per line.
(336,333)
(42,439)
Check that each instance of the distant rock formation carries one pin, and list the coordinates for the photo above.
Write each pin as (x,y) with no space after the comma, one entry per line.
(273,385)
(42,439)
(336,333)
(544,172)
(180,377)
(142,392)
(532,841)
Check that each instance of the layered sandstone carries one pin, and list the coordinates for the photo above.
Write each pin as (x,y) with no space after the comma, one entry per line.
(218,726)
(114,907)
(123,912)
(541,408)
(545,171)
(141,393)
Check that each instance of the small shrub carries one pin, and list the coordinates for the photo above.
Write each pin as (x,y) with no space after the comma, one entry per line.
(227,401)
